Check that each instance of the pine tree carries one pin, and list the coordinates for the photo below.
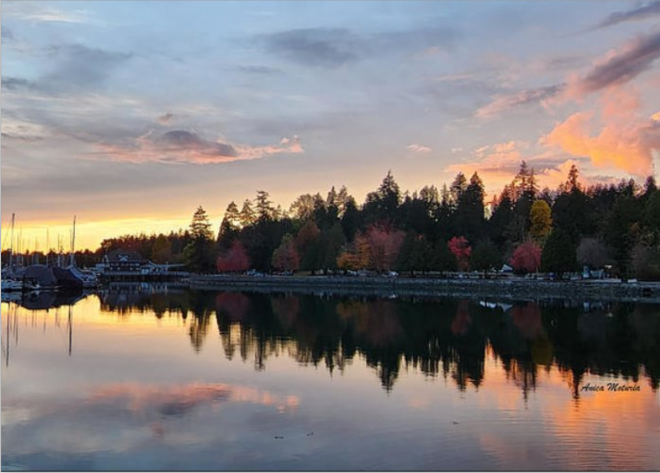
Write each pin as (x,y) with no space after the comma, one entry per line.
(229,227)
(263,206)
(457,187)
(572,183)
(199,252)
(246,217)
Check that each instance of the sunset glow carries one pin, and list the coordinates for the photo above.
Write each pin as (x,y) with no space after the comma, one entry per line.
(129,115)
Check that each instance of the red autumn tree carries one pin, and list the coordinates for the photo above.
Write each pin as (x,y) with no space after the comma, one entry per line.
(461,250)
(285,257)
(384,245)
(233,260)
(526,258)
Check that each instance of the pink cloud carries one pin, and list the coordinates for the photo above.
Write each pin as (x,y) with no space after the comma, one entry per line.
(502,103)
(178,147)
(617,67)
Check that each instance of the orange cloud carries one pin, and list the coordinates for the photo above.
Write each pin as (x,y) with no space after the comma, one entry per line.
(624,142)
(497,164)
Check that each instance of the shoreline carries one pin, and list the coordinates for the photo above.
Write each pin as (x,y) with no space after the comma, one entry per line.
(510,289)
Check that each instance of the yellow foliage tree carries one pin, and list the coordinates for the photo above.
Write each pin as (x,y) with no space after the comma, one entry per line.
(540,217)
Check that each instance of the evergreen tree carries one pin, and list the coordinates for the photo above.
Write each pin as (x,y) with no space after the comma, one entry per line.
(263,206)
(470,218)
(485,256)
(350,221)
(230,226)
(330,244)
(246,217)
(621,230)
(559,253)
(572,183)
(199,252)
(500,220)
(457,188)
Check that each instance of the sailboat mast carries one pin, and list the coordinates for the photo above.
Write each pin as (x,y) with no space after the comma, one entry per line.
(72,260)
(11,244)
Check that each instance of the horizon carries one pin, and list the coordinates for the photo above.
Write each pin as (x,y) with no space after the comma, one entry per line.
(109,116)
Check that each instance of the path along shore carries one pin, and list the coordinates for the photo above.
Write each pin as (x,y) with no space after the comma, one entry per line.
(510,288)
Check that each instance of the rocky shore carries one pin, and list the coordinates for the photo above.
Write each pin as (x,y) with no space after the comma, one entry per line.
(511,288)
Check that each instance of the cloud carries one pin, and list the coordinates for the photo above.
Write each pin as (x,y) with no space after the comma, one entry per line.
(327,47)
(641,12)
(24,131)
(502,103)
(7,34)
(71,68)
(179,146)
(417,148)
(180,140)
(166,118)
(618,67)
(259,70)
(498,163)
(335,47)
(502,158)
(432,39)
(78,66)
(625,145)
(16,83)
(36,12)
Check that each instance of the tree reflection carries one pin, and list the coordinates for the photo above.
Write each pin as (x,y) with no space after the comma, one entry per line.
(437,336)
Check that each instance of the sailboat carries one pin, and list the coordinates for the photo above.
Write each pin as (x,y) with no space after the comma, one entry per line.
(9,281)
(87,278)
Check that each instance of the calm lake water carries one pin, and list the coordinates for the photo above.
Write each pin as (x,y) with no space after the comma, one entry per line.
(179,380)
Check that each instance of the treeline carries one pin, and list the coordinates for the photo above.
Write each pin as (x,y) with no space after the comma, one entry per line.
(615,226)
(452,228)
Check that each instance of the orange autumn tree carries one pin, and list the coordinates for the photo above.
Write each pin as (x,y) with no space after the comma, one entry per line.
(377,248)
(354,256)
(285,257)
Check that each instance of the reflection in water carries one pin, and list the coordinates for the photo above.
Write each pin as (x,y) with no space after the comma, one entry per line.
(513,374)
(440,337)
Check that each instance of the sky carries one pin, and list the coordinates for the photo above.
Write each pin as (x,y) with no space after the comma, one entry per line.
(130,114)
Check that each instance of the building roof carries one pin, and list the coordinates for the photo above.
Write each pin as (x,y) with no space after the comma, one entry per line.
(121,255)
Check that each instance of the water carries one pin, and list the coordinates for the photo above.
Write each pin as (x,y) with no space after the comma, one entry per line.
(141,379)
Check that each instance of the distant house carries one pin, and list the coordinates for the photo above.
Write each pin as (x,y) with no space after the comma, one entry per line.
(124,261)
(130,263)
